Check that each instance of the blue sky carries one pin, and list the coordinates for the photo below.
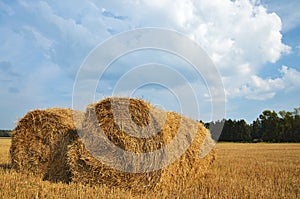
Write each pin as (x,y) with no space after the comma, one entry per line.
(255,45)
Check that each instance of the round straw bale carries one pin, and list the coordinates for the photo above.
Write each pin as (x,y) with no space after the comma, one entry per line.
(115,128)
(191,166)
(40,140)
(87,169)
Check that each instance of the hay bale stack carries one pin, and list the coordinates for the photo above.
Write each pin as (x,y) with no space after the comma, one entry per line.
(40,140)
(92,160)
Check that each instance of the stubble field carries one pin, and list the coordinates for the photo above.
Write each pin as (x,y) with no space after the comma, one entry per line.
(240,171)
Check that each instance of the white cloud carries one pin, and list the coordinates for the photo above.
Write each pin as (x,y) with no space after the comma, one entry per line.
(234,33)
(53,38)
(288,11)
(262,89)
(291,77)
(240,36)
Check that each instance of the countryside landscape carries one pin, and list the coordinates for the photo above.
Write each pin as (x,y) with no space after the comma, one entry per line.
(238,170)
(172,99)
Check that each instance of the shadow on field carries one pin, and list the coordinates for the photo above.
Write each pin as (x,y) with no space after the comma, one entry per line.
(5,166)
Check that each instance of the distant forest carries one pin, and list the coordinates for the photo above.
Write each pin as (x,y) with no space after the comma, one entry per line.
(268,127)
(5,133)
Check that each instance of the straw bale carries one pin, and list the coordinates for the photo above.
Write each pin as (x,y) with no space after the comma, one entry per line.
(89,156)
(40,140)
(190,167)
(88,169)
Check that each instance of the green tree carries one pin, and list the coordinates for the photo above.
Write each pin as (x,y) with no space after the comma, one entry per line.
(286,126)
(256,131)
(243,131)
(296,125)
(270,126)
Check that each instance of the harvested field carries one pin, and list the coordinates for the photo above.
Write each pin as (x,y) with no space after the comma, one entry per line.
(240,171)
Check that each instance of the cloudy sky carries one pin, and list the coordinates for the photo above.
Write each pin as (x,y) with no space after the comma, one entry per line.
(255,46)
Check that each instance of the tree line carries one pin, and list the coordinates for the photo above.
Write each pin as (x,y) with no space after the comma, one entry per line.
(5,133)
(268,127)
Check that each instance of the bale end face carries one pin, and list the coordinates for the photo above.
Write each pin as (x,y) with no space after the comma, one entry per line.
(39,143)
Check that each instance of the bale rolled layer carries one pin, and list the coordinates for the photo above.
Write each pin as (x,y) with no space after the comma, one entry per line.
(40,140)
(130,144)
(190,167)
(100,127)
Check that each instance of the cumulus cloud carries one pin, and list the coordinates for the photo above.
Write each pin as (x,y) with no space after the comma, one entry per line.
(240,36)
(287,10)
(291,77)
(262,89)
(45,42)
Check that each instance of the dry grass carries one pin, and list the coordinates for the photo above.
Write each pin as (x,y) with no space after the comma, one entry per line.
(240,171)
